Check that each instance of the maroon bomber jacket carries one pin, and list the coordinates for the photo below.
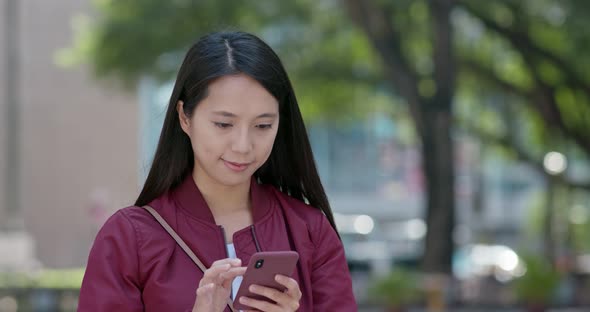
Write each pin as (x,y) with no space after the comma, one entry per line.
(135,265)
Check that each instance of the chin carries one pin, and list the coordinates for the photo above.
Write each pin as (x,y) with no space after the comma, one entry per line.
(235,180)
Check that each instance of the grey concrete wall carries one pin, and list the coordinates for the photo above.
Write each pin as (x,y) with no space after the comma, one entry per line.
(79,140)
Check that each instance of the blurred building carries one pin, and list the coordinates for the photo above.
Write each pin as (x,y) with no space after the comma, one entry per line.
(77,141)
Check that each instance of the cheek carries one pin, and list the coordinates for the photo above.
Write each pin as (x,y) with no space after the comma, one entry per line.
(206,145)
(266,146)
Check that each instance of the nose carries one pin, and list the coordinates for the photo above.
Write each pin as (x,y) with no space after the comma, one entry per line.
(242,142)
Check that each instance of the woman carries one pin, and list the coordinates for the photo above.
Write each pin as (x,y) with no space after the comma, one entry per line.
(232,174)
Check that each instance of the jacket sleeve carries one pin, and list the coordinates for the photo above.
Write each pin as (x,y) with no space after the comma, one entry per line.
(332,285)
(111,280)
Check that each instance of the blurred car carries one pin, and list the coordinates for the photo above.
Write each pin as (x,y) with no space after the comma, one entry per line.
(376,247)
(482,260)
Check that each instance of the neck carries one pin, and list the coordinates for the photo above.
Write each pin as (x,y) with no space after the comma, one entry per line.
(223,199)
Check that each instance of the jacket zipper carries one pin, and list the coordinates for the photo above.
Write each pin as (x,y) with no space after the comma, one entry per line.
(252,231)
(225,246)
(255,239)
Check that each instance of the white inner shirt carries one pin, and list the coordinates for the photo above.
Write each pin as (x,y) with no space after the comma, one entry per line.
(231,252)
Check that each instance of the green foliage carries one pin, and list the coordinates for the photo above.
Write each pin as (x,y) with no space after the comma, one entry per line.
(132,38)
(513,57)
(398,288)
(579,221)
(58,279)
(531,47)
(332,65)
(539,283)
(533,226)
(335,69)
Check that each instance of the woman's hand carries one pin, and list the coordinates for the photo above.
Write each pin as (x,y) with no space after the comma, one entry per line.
(285,301)
(215,286)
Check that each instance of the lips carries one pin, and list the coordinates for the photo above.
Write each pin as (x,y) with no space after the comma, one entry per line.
(238,167)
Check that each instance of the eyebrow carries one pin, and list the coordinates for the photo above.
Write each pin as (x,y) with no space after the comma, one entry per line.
(228,114)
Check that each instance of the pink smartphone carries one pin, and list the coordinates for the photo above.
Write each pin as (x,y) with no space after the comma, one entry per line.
(262,269)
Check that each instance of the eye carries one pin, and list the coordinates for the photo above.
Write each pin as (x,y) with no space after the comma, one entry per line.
(222,125)
(264,126)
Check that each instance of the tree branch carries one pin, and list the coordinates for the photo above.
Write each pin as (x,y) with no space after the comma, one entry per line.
(521,153)
(547,106)
(376,23)
(522,42)
(544,95)
(443,58)
(488,75)
(541,99)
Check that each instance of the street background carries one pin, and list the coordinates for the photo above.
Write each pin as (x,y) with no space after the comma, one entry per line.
(453,138)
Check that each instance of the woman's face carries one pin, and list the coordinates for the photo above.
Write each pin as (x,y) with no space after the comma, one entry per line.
(232,130)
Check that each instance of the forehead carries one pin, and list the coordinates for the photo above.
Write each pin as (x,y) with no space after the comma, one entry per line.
(240,95)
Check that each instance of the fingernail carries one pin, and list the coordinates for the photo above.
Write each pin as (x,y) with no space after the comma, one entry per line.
(243,300)
(253,288)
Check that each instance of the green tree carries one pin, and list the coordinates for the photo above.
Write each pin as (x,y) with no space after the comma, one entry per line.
(518,67)
(518,59)
(405,41)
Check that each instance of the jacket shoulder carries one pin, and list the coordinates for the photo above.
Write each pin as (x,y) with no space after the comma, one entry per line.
(135,213)
(146,223)
(132,218)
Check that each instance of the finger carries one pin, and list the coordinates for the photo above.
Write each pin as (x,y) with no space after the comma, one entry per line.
(260,304)
(291,285)
(283,299)
(229,276)
(234,262)
(212,274)
(273,294)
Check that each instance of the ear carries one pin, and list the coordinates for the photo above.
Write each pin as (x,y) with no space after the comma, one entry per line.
(185,121)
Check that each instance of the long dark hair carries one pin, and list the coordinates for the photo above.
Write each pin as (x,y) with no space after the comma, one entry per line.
(290,167)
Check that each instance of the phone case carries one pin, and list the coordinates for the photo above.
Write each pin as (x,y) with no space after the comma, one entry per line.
(273,263)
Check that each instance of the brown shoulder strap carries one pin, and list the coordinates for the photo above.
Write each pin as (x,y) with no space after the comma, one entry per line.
(181,243)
